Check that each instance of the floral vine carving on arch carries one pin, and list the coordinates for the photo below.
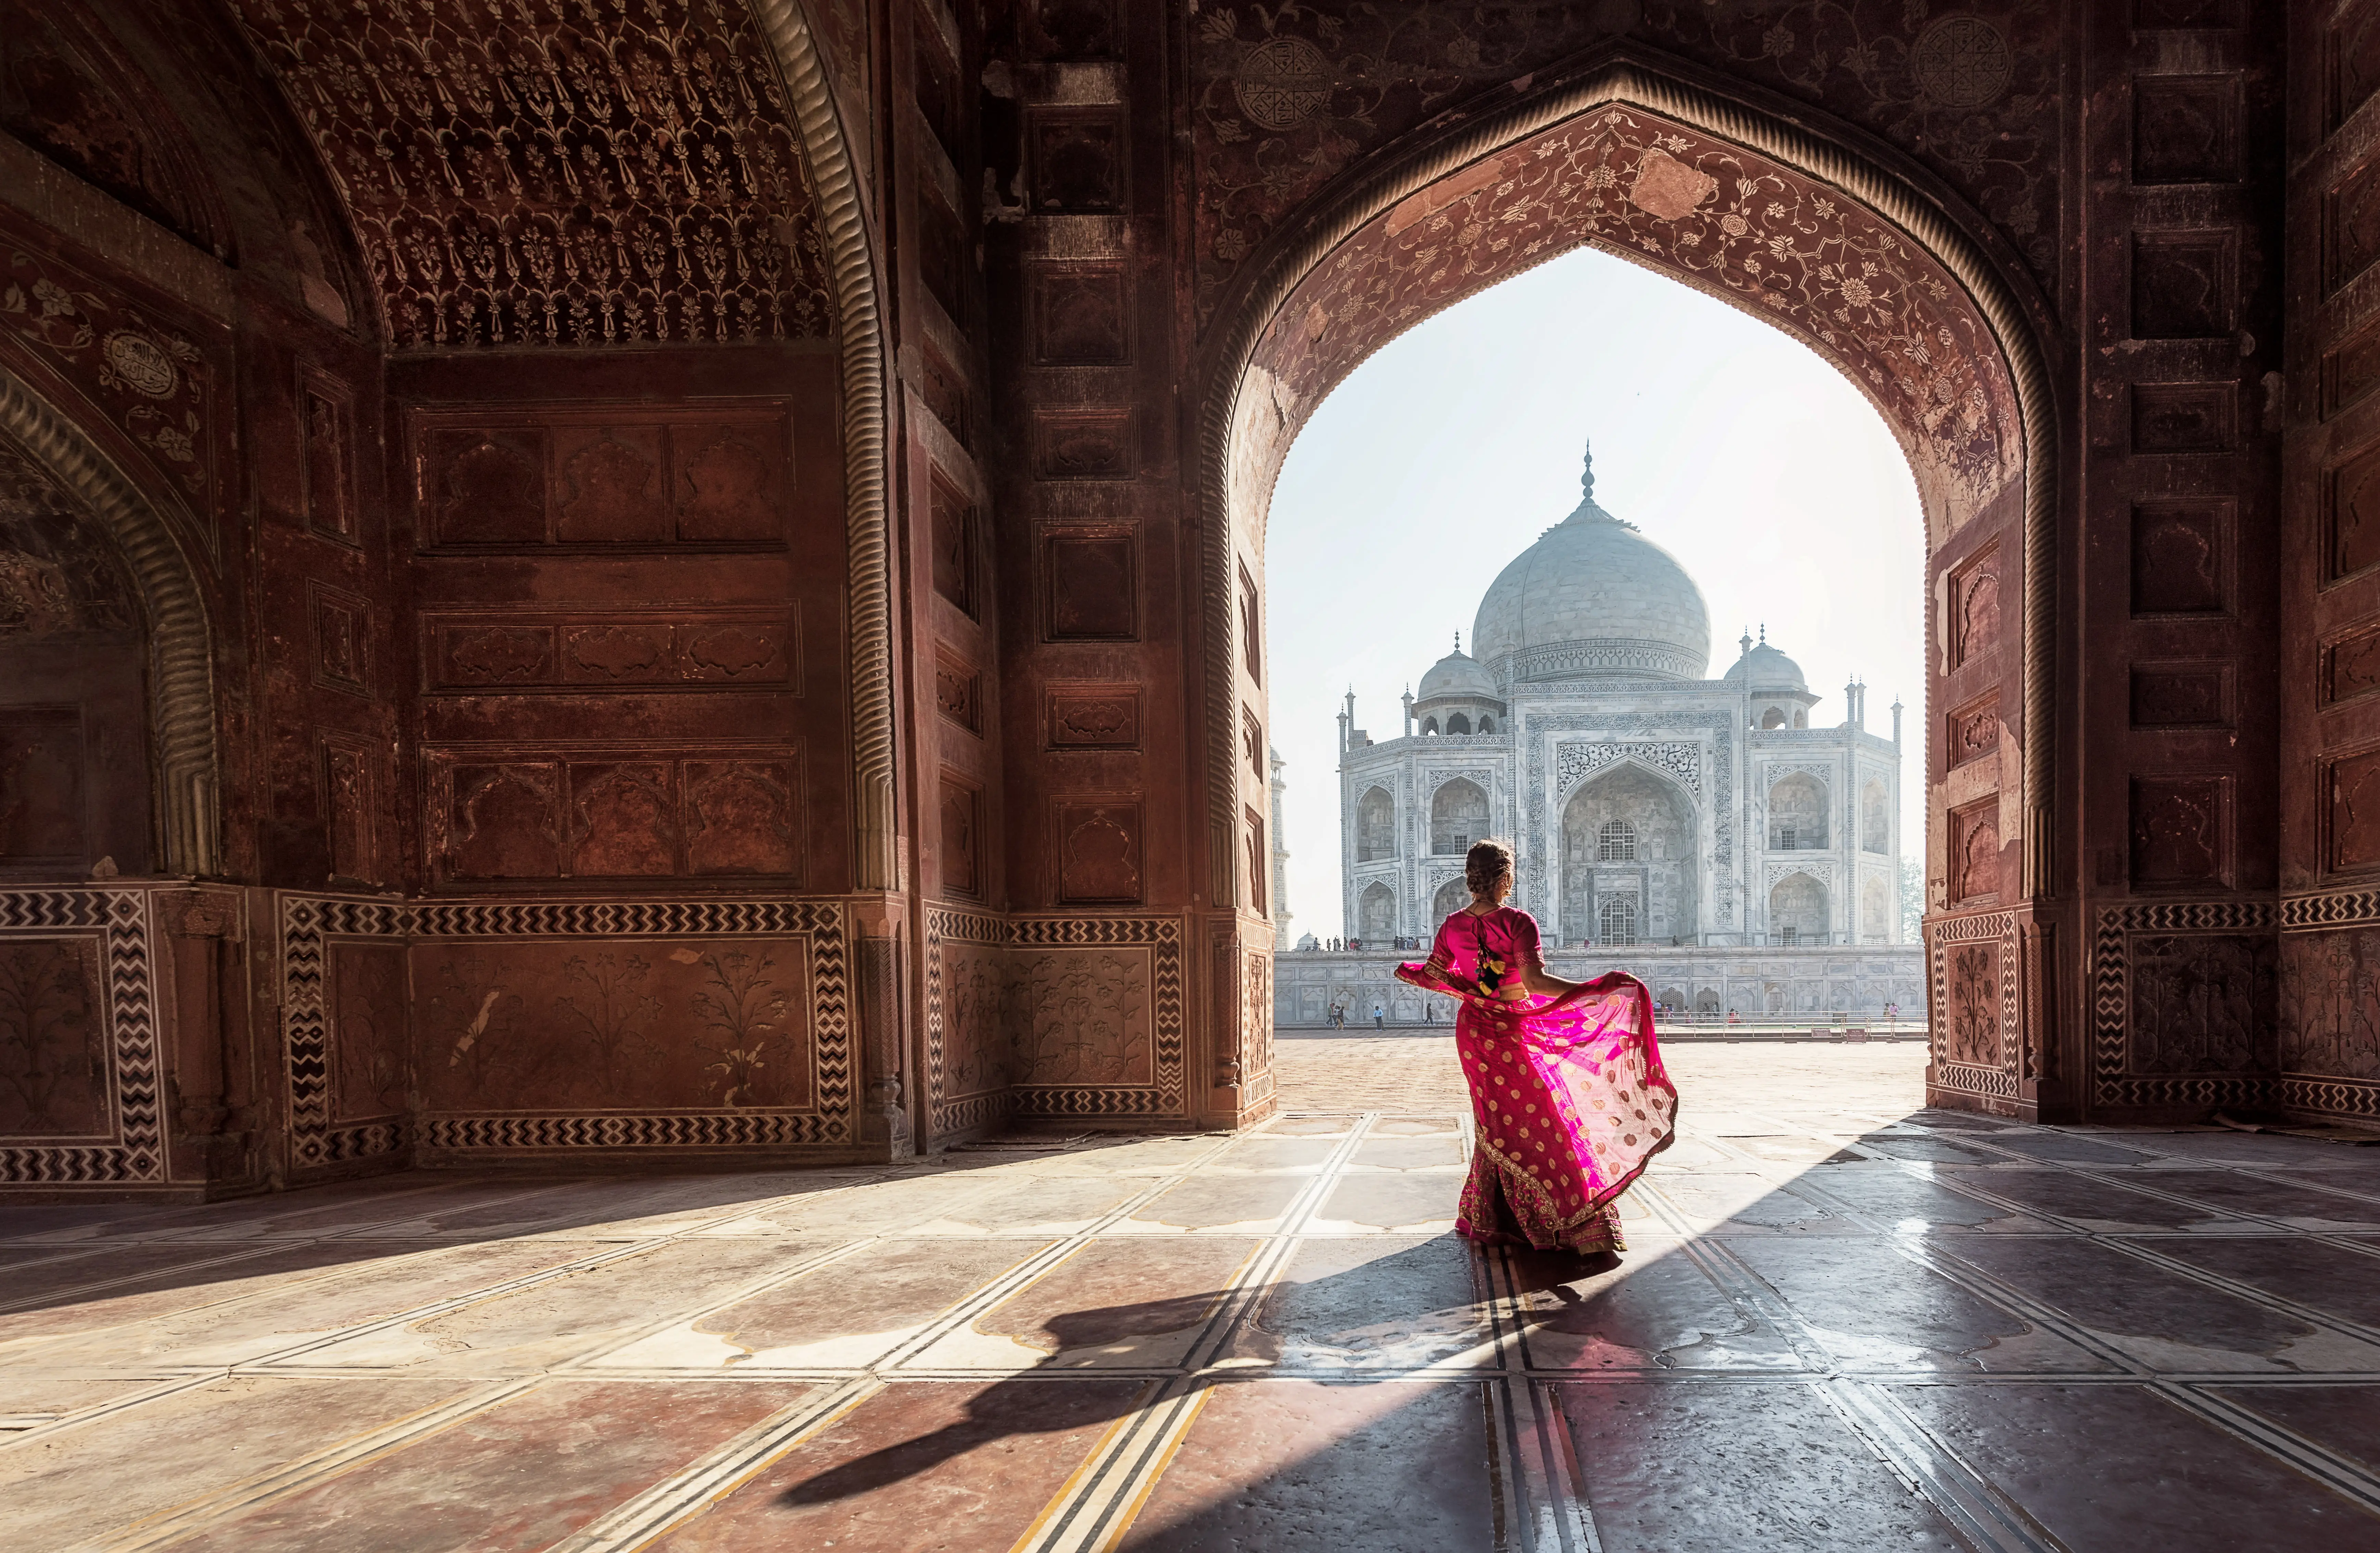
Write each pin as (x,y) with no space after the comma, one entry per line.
(1723,219)
(515,179)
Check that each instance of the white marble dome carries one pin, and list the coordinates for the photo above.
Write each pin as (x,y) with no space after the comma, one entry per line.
(1593,599)
(1765,668)
(1457,674)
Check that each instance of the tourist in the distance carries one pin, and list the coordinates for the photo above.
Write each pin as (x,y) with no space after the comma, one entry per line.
(1566,1076)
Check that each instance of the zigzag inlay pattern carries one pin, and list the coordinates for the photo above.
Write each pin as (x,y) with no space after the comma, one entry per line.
(119,920)
(730,1129)
(2331,908)
(2331,1097)
(308,924)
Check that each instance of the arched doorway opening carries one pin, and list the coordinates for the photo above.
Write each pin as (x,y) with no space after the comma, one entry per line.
(1630,853)
(107,718)
(1834,240)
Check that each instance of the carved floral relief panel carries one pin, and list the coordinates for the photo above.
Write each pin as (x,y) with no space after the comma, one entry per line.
(1972,974)
(371,1051)
(980,1042)
(2202,1002)
(534,177)
(2330,1003)
(1083,1017)
(2184,693)
(2351,812)
(54,1066)
(649,1024)
(523,816)
(2182,557)
(522,650)
(629,477)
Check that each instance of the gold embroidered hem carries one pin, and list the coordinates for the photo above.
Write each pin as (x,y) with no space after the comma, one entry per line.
(1502,1203)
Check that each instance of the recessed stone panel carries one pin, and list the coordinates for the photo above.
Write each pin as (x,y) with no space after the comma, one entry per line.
(1079,315)
(2194,694)
(2351,225)
(2182,557)
(2185,129)
(2351,827)
(1095,717)
(2180,830)
(2350,499)
(1085,444)
(2184,285)
(961,871)
(1081,161)
(1973,730)
(2185,417)
(1976,852)
(1099,850)
(1092,583)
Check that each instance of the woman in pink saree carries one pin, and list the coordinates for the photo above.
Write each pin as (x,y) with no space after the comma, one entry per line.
(1566,1078)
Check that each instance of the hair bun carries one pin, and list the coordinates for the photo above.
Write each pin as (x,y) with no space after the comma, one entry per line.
(1485,862)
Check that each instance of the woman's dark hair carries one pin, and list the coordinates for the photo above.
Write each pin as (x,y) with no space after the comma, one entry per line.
(1485,864)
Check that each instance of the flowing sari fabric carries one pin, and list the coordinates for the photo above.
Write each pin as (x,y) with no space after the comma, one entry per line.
(1570,1094)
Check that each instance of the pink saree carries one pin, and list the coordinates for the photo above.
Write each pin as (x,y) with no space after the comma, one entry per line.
(1570,1095)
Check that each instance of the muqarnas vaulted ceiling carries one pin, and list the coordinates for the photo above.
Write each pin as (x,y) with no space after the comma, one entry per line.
(558,172)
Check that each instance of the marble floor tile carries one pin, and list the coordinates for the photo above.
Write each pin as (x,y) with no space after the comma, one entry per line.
(513,1479)
(1654,1308)
(1372,1302)
(1386,1468)
(2343,1419)
(2162,1320)
(1872,1308)
(847,1312)
(2120,1467)
(920,1466)
(110,1475)
(1219,1202)
(1674,1467)
(1124,1300)
(2092,1204)
(564,1318)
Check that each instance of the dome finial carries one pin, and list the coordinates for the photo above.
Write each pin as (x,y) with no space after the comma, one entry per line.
(1764,633)
(1458,641)
(1587,474)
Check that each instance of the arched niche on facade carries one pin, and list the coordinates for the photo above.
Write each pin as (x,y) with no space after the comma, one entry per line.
(1638,831)
(1799,911)
(1376,826)
(1456,722)
(1875,910)
(1797,813)
(107,626)
(1452,896)
(1875,817)
(1458,817)
(1375,914)
(1830,235)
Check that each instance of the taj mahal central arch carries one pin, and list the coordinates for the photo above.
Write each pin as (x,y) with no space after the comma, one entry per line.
(1830,238)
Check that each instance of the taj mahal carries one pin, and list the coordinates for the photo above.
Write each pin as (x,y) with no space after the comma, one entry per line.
(1711,833)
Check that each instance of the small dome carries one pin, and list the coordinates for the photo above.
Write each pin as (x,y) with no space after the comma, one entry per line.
(1457,674)
(1765,668)
(1593,597)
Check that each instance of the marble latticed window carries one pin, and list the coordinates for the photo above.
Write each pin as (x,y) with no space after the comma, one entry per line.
(1616,843)
(1616,921)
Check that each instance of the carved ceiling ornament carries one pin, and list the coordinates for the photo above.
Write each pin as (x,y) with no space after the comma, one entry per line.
(1717,215)
(515,179)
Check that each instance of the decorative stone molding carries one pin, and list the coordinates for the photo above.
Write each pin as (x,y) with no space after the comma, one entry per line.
(1683,761)
(851,264)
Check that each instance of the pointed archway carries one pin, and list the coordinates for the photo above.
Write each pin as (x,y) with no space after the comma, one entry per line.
(1829,237)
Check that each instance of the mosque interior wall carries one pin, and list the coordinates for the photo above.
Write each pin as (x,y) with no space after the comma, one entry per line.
(523,637)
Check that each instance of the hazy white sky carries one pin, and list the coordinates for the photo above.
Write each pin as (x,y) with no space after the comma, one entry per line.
(1731,445)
